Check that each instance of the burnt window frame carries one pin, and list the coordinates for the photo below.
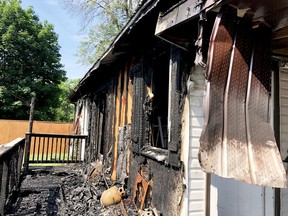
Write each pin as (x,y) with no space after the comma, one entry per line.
(140,73)
(156,104)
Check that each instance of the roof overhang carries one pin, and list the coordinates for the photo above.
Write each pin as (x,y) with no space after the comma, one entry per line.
(184,15)
(272,13)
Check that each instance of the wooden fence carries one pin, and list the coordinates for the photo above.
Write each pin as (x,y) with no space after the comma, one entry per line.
(11,129)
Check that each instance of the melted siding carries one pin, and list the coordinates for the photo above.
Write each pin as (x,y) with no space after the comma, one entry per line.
(238,139)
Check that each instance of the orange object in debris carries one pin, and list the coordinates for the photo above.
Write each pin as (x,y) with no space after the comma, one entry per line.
(112,196)
(140,190)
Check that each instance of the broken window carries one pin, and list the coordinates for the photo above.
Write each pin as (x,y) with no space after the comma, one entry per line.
(159,114)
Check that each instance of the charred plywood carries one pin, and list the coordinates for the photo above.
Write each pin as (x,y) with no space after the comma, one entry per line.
(237,139)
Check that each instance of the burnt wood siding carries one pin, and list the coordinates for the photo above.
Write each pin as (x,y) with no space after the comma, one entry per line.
(109,115)
(97,125)
(137,107)
(89,118)
(93,131)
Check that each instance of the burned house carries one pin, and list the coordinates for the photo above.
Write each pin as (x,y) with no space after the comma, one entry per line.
(189,104)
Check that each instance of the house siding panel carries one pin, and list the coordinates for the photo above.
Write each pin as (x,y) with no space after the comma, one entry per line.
(197,178)
(283,132)
(195,213)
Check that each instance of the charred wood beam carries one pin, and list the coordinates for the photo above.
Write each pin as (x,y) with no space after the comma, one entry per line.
(186,11)
(137,110)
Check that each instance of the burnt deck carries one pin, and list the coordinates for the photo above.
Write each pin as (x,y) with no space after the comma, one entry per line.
(62,190)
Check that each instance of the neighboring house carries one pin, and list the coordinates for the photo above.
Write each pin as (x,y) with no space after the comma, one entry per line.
(143,104)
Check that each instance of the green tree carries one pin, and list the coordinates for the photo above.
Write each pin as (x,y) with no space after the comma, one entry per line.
(29,64)
(65,112)
(102,19)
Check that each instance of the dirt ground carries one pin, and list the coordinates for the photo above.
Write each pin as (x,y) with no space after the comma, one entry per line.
(66,190)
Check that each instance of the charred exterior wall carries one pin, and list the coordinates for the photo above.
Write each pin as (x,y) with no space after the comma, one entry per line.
(162,163)
(109,105)
(144,89)
(167,187)
(147,92)
(158,89)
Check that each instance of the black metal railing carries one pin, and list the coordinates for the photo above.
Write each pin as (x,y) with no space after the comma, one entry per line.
(11,158)
(55,148)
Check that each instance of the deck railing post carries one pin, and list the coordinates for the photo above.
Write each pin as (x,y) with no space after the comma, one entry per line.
(4,184)
(28,135)
(27,152)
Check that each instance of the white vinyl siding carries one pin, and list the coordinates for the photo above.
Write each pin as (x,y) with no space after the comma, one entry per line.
(231,197)
(197,178)
(284,132)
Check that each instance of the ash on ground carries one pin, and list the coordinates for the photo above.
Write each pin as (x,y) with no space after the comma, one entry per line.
(66,190)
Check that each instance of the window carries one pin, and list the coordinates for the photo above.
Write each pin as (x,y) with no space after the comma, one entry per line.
(157,91)
(159,114)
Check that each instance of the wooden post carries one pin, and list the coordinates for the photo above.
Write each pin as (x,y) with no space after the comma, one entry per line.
(28,135)
(3,187)
(31,117)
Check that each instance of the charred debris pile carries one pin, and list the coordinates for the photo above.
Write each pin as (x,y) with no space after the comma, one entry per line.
(73,190)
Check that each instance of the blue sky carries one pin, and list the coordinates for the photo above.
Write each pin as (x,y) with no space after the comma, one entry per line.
(68,29)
